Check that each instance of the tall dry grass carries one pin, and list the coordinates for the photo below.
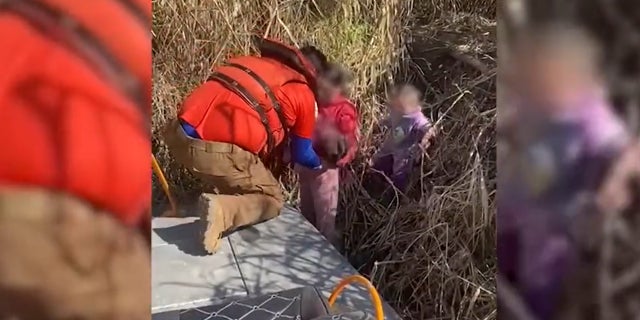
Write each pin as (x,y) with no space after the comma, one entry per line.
(432,255)
(433,251)
(190,36)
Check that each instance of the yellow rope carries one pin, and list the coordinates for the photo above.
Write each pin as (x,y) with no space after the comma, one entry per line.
(165,184)
(375,297)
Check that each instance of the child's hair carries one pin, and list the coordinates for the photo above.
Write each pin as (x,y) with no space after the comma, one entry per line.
(336,75)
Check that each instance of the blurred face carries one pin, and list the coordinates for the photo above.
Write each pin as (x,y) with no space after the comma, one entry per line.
(554,71)
(327,91)
(397,104)
(553,81)
(404,101)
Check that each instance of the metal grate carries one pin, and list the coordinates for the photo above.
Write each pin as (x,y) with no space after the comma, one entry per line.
(273,307)
(298,304)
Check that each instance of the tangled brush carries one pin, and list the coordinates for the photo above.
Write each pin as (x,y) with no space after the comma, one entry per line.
(191,36)
(432,252)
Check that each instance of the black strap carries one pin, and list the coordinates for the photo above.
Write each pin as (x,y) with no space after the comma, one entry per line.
(137,12)
(79,40)
(236,88)
(267,89)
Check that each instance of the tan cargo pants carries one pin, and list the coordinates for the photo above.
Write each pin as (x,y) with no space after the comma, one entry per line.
(247,192)
(60,259)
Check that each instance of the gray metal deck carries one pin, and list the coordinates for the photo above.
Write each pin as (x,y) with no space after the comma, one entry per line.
(284,253)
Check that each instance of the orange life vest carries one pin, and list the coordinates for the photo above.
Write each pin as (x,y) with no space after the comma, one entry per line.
(75,96)
(255,79)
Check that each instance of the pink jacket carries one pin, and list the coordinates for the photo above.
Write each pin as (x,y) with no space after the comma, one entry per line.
(343,114)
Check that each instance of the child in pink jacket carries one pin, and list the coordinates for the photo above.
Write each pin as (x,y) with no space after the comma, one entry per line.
(336,141)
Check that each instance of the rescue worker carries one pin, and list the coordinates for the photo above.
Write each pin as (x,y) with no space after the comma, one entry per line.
(229,126)
(75,183)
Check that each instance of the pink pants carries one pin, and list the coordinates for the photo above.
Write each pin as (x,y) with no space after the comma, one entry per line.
(319,192)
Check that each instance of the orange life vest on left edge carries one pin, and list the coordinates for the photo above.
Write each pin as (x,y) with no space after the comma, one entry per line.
(75,101)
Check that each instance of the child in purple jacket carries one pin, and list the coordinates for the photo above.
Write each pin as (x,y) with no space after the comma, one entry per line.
(410,132)
(563,137)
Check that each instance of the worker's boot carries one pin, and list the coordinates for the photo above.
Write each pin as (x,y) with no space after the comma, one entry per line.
(213,216)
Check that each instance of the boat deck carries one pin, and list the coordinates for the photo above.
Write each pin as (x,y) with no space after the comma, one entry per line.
(278,255)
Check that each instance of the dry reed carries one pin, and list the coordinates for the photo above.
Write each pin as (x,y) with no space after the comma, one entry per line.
(433,255)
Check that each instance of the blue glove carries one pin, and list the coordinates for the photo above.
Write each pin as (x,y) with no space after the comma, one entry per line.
(302,153)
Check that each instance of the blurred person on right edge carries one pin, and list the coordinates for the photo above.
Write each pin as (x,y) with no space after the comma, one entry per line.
(75,165)
(559,138)
(336,142)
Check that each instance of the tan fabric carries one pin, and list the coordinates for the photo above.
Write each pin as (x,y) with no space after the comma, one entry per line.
(61,259)
(247,192)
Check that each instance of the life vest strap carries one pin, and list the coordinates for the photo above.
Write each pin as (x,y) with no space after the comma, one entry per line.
(242,92)
(267,90)
(65,30)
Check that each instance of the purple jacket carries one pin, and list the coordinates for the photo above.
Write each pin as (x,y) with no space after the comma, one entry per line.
(559,160)
(402,142)
(544,184)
